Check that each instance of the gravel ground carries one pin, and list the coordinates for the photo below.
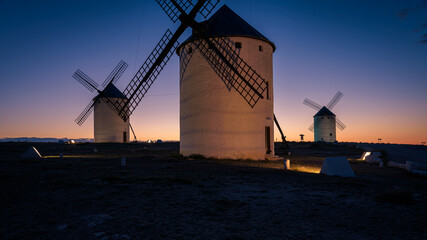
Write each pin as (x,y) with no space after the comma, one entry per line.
(162,195)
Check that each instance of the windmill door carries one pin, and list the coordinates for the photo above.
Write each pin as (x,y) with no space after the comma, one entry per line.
(267,140)
(124,137)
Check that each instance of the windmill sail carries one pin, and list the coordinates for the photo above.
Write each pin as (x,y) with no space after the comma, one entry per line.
(144,78)
(116,73)
(92,86)
(232,69)
(334,100)
(85,113)
(158,58)
(312,104)
(85,80)
(340,124)
(315,124)
(171,9)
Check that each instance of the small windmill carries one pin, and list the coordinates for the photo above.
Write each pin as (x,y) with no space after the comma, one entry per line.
(108,126)
(222,56)
(325,122)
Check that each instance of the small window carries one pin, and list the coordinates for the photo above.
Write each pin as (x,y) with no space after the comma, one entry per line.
(260,48)
(330,134)
(238,45)
(190,50)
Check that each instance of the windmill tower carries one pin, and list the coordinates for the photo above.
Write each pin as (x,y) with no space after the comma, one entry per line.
(214,120)
(226,103)
(108,126)
(325,122)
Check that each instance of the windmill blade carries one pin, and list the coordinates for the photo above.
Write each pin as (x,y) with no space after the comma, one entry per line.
(152,67)
(208,7)
(334,100)
(311,128)
(340,124)
(232,69)
(315,124)
(85,80)
(174,8)
(116,73)
(171,10)
(85,114)
(144,78)
(312,104)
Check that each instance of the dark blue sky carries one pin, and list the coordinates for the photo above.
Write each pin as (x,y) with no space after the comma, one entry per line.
(362,48)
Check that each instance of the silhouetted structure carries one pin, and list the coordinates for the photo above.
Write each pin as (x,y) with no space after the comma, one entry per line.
(108,126)
(325,122)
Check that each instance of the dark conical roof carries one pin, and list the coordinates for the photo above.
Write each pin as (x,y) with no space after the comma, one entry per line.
(324,112)
(226,23)
(112,92)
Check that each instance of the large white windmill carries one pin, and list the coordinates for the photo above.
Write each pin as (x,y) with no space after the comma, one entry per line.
(108,126)
(325,122)
(215,121)
(225,63)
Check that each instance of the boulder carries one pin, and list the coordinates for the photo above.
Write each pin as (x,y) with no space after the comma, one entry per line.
(337,166)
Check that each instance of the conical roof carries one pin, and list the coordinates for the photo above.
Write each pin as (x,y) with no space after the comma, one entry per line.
(226,23)
(324,112)
(112,92)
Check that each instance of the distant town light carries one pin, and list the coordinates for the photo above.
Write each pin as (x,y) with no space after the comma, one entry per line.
(72,141)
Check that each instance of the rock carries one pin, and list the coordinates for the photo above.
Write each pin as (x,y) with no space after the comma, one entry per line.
(337,166)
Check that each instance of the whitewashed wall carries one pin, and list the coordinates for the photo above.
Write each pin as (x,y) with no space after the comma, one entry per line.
(108,126)
(326,127)
(216,122)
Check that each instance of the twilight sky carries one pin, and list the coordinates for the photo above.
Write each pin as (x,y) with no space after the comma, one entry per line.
(375,52)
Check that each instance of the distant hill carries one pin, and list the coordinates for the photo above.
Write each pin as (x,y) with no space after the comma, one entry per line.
(35,139)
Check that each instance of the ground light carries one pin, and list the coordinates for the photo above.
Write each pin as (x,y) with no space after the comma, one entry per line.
(365,154)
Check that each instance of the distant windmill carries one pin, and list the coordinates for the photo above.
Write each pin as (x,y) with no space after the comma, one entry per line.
(108,126)
(214,122)
(325,122)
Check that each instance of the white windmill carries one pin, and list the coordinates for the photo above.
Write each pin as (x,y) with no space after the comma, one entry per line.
(108,126)
(325,122)
(214,119)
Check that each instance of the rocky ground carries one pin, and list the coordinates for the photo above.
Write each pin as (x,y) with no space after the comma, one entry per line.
(161,195)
